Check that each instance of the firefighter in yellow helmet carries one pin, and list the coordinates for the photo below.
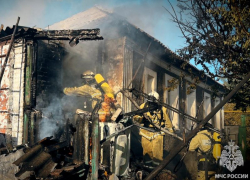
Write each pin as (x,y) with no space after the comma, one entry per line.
(152,142)
(203,143)
(96,88)
(88,89)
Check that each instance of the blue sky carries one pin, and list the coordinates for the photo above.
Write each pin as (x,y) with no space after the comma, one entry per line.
(149,15)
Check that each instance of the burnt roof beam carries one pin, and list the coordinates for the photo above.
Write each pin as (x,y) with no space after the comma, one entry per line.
(84,37)
(81,34)
(70,32)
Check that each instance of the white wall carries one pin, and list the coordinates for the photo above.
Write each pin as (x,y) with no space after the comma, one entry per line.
(191,108)
(12,95)
(150,80)
(207,105)
(218,119)
(217,116)
(222,116)
(172,98)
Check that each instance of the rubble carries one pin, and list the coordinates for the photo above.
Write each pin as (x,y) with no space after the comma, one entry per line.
(69,156)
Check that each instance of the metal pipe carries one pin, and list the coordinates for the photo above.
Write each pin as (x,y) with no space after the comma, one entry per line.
(8,52)
(95,147)
(179,147)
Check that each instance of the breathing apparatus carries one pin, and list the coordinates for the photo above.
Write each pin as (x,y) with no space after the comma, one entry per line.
(215,149)
(104,86)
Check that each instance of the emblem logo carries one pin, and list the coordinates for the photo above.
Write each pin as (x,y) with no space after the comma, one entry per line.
(231,157)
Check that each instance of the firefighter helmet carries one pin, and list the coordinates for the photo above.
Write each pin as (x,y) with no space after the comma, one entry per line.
(153,95)
(208,126)
(88,75)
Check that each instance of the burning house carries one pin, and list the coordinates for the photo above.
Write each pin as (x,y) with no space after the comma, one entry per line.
(131,58)
(42,63)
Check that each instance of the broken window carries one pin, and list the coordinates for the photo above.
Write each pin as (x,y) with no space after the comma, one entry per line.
(150,80)
(172,98)
(218,116)
(207,105)
(191,107)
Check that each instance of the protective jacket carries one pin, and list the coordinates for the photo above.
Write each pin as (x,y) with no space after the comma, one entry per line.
(159,117)
(202,142)
(85,90)
(152,142)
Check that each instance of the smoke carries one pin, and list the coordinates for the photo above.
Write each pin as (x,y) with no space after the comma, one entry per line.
(149,15)
(146,14)
(80,58)
(55,112)
(51,117)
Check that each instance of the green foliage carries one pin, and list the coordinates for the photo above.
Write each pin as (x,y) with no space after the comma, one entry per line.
(217,36)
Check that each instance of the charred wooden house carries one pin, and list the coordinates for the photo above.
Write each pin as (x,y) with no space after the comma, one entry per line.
(41,64)
(130,58)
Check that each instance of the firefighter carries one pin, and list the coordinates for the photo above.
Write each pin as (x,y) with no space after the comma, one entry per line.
(203,143)
(152,142)
(88,89)
(97,89)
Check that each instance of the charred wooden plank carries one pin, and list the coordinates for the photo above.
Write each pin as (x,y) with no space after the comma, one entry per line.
(44,140)
(86,139)
(46,169)
(3,55)
(75,145)
(35,164)
(56,173)
(55,147)
(31,153)
(81,140)
(95,146)
(76,172)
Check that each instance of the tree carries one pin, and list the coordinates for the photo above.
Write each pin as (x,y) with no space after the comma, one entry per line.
(217,34)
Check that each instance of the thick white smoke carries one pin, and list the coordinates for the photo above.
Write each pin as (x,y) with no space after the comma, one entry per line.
(55,113)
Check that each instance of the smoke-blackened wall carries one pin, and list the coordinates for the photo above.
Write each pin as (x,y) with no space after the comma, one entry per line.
(48,87)
(78,59)
(60,66)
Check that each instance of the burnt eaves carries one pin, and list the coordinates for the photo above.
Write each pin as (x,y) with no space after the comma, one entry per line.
(30,33)
(21,31)
(81,34)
